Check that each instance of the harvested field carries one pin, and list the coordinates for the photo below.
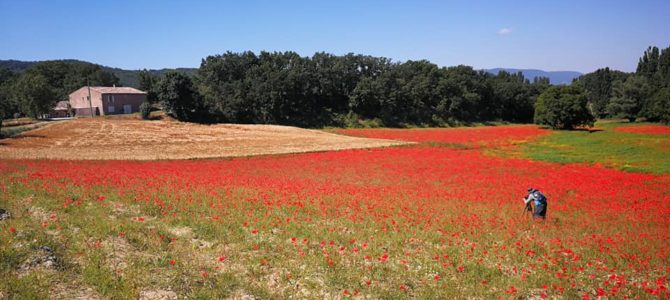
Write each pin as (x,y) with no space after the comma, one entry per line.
(105,139)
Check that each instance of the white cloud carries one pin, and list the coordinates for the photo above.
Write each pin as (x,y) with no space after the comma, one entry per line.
(504,31)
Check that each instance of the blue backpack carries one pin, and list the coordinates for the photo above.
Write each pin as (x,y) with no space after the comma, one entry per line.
(539,197)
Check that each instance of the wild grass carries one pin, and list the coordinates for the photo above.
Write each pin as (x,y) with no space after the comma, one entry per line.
(226,241)
(633,152)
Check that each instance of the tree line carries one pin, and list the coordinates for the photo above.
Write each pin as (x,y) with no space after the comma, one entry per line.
(644,93)
(348,90)
(358,90)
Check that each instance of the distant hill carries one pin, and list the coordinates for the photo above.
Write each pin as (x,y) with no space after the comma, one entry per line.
(16,66)
(126,77)
(555,77)
(131,77)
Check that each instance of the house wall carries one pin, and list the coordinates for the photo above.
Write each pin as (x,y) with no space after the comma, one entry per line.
(79,102)
(119,100)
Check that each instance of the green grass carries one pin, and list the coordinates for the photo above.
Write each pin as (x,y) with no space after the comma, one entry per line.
(8,132)
(630,152)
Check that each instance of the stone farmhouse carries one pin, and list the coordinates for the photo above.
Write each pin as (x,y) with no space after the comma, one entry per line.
(106,100)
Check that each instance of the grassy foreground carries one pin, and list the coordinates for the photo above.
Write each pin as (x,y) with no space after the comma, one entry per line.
(422,221)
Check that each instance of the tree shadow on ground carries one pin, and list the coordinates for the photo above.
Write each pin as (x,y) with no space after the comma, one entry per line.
(589,130)
(20,136)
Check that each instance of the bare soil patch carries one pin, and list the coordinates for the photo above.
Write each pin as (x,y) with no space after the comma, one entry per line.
(128,139)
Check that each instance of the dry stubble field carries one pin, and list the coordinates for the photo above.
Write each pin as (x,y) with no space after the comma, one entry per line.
(104,139)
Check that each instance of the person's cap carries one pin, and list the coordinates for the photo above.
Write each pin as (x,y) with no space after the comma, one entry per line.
(530,189)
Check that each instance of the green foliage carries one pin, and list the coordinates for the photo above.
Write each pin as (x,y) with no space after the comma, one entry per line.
(5,83)
(659,106)
(654,68)
(148,82)
(648,63)
(466,95)
(145,110)
(516,96)
(599,88)
(34,94)
(628,98)
(624,107)
(15,66)
(285,88)
(64,77)
(322,90)
(129,78)
(37,89)
(132,78)
(563,107)
(178,96)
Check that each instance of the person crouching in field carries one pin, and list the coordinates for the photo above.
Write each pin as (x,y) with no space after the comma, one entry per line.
(540,202)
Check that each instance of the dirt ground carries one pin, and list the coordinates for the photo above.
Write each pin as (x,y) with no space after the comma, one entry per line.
(105,139)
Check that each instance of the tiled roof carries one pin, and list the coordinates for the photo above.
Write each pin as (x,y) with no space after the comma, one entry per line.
(116,90)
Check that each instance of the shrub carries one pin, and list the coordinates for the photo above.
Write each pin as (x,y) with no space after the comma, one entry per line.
(145,110)
(563,107)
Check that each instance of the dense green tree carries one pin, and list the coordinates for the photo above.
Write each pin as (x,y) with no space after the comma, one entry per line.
(325,89)
(336,78)
(465,95)
(282,87)
(148,82)
(6,107)
(648,63)
(660,105)
(657,107)
(224,86)
(406,93)
(664,66)
(598,87)
(34,94)
(628,97)
(514,96)
(178,97)
(623,107)
(63,76)
(654,67)
(376,97)
(563,107)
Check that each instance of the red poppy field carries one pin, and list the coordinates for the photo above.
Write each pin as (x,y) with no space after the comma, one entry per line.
(424,221)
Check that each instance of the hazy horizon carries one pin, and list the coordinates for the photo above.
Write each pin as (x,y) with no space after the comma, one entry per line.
(556,36)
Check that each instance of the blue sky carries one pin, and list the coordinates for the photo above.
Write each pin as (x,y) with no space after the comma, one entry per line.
(550,35)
